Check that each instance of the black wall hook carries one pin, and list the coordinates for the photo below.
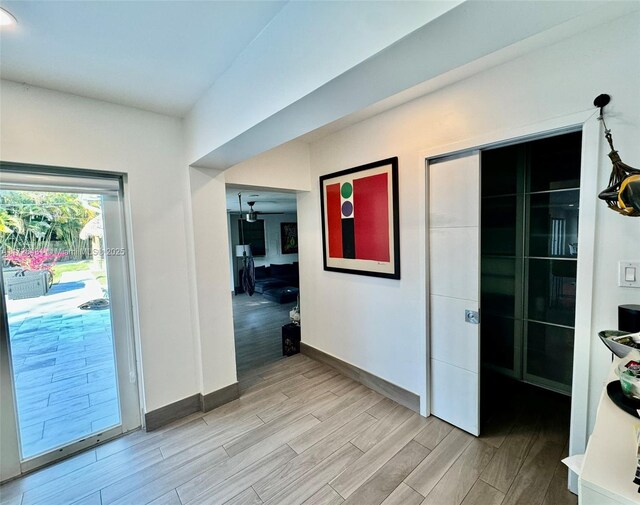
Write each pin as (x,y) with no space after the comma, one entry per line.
(601,101)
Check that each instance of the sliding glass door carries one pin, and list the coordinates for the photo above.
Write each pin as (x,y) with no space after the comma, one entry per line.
(68,311)
(529,236)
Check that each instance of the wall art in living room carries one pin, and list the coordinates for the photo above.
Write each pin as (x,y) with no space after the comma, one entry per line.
(360,228)
(289,238)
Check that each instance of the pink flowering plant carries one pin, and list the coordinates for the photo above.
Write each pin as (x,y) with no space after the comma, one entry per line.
(35,260)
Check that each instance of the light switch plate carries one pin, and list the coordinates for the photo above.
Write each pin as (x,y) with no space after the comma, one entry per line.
(629,274)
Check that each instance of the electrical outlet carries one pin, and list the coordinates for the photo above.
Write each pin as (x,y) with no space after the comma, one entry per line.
(629,274)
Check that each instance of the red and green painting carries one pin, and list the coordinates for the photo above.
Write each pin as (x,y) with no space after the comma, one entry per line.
(360,220)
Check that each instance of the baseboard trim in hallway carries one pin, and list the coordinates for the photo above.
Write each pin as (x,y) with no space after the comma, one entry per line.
(190,405)
(217,398)
(382,386)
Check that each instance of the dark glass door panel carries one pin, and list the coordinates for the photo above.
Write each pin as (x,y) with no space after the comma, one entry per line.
(549,353)
(498,280)
(501,171)
(529,238)
(554,162)
(500,341)
(552,291)
(499,225)
(553,224)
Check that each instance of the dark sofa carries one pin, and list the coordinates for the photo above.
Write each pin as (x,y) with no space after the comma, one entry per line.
(276,276)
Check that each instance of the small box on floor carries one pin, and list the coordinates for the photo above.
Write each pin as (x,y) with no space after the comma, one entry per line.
(290,339)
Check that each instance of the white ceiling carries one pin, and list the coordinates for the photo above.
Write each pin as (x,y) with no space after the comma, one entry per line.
(159,56)
(164,56)
(250,75)
(427,59)
(266,200)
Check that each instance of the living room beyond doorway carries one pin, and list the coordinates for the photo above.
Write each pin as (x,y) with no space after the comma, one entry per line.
(263,238)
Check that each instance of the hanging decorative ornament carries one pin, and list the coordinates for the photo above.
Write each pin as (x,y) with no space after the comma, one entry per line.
(248,266)
(623,192)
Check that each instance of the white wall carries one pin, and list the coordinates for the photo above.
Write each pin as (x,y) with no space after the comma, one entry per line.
(57,129)
(379,324)
(284,167)
(214,327)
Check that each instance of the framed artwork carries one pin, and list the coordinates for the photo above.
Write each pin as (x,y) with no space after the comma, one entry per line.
(360,226)
(289,238)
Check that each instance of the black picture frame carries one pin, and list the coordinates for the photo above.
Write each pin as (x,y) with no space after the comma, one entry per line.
(289,238)
(386,266)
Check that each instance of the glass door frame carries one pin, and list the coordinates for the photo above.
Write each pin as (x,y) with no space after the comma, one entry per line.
(119,265)
(527,376)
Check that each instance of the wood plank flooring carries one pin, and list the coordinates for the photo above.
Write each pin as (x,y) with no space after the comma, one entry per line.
(258,331)
(303,434)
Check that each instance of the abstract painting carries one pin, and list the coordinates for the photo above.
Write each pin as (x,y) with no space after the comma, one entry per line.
(289,238)
(360,229)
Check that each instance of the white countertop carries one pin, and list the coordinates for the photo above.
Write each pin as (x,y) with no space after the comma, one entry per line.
(610,461)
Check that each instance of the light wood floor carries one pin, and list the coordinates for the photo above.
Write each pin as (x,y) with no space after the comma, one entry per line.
(302,433)
(258,331)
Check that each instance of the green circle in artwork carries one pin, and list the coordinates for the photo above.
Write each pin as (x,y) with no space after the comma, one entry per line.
(346,190)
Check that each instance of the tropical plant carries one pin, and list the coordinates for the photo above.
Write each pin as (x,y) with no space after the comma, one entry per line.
(32,220)
(9,223)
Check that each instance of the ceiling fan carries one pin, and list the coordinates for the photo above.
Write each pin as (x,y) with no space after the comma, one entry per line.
(252,215)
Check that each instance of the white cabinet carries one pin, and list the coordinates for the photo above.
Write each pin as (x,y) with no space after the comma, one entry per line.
(610,461)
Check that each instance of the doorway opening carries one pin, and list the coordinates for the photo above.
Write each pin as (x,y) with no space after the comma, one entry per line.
(530,194)
(503,235)
(67,310)
(266,228)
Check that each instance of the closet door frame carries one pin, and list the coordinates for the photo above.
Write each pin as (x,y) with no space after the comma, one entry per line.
(592,151)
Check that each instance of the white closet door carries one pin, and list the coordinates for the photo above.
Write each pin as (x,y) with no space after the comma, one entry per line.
(454,288)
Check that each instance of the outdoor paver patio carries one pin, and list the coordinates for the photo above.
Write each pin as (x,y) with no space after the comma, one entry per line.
(63,365)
